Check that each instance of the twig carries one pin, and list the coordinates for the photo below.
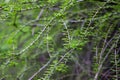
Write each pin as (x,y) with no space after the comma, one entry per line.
(42,68)
(40,14)
(97,12)
(116,65)
(101,64)
(37,19)
(68,34)
(39,35)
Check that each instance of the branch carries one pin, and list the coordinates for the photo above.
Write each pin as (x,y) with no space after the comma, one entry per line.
(101,64)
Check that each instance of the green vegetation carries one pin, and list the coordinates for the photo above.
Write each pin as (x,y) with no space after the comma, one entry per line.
(59,40)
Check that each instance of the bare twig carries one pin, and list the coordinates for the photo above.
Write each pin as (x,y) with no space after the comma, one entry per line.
(40,14)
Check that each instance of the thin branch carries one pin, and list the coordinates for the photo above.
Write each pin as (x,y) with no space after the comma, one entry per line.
(116,65)
(48,64)
(40,14)
(59,62)
(37,19)
(68,34)
(39,35)
(101,64)
(97,12)
(105,45)
(32,41)
(42,68)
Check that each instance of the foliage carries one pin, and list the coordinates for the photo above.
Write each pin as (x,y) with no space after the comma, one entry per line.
(59,39)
